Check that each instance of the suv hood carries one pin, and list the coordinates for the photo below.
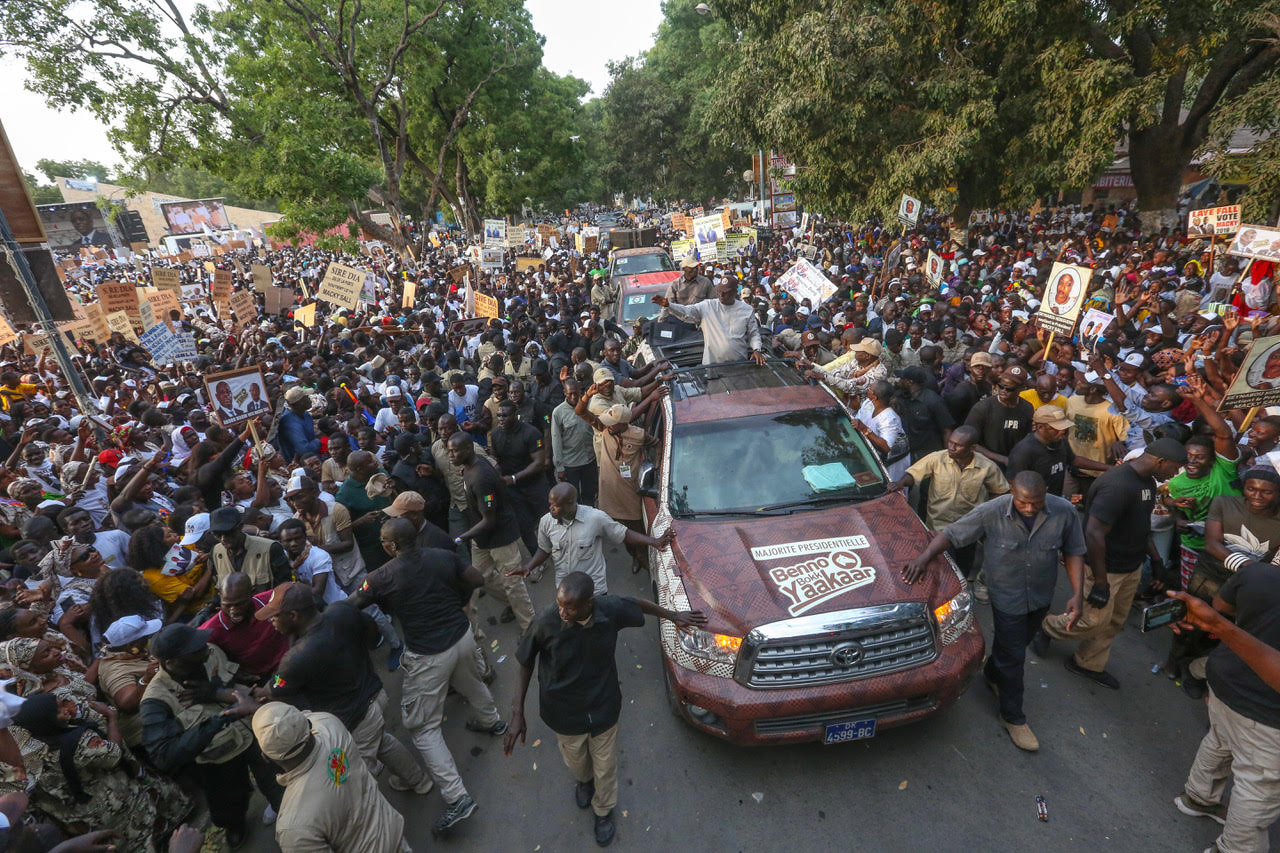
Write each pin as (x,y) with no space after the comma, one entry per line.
(753,570)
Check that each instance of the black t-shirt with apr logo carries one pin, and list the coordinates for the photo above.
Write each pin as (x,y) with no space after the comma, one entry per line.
(1123,499)
(1000,427)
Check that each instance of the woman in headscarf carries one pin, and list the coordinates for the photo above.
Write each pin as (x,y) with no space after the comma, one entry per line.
(37,666)
(21,622)
(89,780)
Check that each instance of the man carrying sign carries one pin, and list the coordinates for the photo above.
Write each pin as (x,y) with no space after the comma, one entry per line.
(730,331)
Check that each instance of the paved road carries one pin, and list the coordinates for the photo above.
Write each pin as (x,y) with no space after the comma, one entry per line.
(1109,765)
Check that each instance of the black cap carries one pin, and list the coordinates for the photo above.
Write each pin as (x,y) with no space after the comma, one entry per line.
(178,640)
(224,519)
(915,373)
(1167,448)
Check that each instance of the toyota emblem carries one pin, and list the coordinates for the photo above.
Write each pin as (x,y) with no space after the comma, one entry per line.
(846,654)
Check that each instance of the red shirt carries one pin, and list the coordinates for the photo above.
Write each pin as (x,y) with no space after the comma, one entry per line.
(255,645)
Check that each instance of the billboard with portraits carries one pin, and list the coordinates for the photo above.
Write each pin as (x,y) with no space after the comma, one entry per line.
(72,227)
(1258,381)
(191,217)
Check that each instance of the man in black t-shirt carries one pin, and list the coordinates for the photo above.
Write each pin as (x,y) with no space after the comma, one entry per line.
(925,418)
(328,669)
(426,589)
(1047,452)
(522,460)
(1117,533)
(494,534)
(1244,721)
(574,645)
(1002,420)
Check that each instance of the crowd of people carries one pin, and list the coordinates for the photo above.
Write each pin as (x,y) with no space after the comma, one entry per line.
(191,605)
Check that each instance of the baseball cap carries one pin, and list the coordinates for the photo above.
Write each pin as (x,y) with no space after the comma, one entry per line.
(177,640)
(1135,359)
(290,595)
(915,373)
(981,358)
(197,526)
(293,395)
(500,380)
(602,374)
(870,346)
(393,392)
(1167,448)
(110,457)
(299,483)
(1017,371)
(281,729)
(223,519)
(130,629)
(689,262)
(406,502)
(378,486)
(808,338)
(1052,416)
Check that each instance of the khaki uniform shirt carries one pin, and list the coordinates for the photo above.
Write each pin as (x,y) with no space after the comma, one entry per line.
(956,490)
(331,801)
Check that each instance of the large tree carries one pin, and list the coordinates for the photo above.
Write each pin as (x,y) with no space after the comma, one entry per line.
(333,108)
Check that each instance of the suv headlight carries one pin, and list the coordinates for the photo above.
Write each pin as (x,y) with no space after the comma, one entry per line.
(954,617)
(720,648)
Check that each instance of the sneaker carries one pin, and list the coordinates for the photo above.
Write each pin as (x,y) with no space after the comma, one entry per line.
(393,658)
(605,830)
(980,592)
(1104,678)
(1040,643)
(583,792)
(457,812)
(268,816)
(423,787)
(1022,736)
(508,615)
(1188,806)
(498,728)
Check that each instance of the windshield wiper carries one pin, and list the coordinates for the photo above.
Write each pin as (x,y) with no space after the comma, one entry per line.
(711,512)
(814,501)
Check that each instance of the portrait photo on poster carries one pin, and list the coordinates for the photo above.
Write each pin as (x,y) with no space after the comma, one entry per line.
(1264,371)
(1065,291)
(1258,381)
(238,395)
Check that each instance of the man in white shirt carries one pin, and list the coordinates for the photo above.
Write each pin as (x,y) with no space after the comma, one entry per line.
(730,331)
(389,416)
(311,564)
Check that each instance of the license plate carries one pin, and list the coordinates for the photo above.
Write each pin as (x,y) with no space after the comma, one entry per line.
(852,730)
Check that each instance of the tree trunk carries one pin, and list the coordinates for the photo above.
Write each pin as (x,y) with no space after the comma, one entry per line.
(468,216)
(1156,162)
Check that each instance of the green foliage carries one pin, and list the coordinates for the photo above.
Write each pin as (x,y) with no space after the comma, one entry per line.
(53,169)
(42,193)
(659,112)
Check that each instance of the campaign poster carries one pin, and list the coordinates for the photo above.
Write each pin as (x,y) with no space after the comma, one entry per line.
(72,227)
(191,217)
(805,281)
(681,249)
(707,232)
(933,269)
(1257,242)
(909,211)
(1063,297)
(341,285)
(238,395)
(1095,324)
(491,258)
(1213,221)
(495,232)
(1258,381)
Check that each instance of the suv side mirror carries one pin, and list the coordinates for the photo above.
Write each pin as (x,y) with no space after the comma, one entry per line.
(648,481)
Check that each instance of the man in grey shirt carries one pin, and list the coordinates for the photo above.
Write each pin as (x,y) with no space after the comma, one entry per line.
(1025,531)
(692,286)
(573,452)
(730,331)
(573,536)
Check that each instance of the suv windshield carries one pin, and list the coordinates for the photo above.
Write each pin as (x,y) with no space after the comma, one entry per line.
(775,462)
(647,262)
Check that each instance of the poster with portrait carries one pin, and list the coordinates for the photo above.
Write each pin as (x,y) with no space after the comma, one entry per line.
(191,217)
(708,231)
(1258,382)
(1211,221)
(805,281)
(1063,297)
(238,395)
(1257,242)
(72,227)
(1095,324)
(933,269)
(495,232)
(909,211)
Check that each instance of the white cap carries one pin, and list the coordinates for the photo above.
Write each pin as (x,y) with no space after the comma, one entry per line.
(1134,359)
(197,526)
(1033,303)
(128,629)
(393,391)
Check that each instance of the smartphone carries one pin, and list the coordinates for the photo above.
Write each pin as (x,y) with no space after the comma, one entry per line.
(67,603)
(1163,613)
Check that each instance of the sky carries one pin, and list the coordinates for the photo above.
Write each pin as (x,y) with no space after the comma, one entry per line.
(582,37)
